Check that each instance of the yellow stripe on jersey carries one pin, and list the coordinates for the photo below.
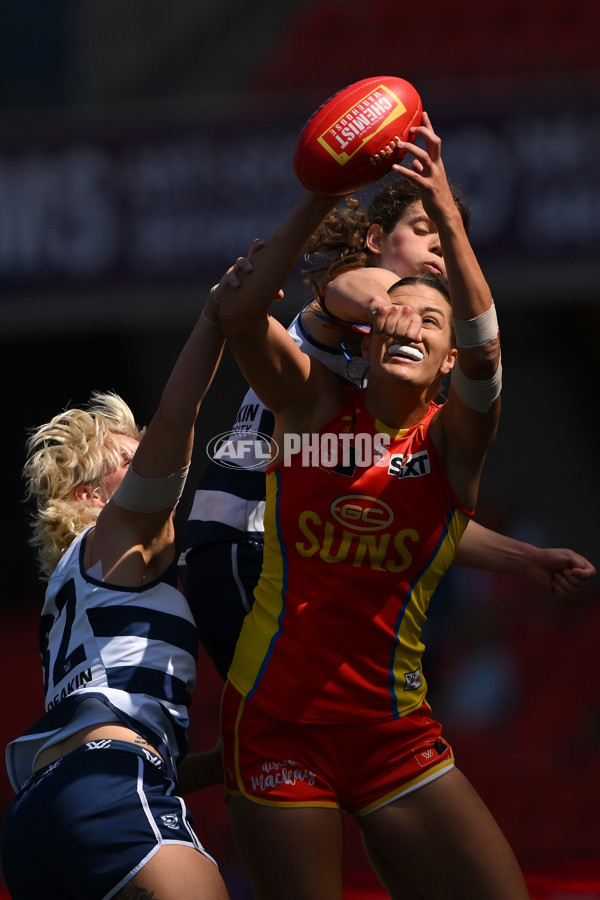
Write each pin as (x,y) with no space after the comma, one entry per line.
(407,683)
(262,627)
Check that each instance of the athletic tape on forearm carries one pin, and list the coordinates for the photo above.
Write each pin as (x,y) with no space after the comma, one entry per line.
(477,331)
(148,495)
(477,395)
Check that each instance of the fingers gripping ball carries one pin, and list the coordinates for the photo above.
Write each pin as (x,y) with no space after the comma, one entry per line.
(351,139)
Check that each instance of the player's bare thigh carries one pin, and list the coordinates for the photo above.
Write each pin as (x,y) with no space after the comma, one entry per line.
(176,872)
(445,843)
(291,853)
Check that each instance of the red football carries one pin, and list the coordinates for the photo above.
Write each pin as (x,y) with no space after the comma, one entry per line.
(350,141)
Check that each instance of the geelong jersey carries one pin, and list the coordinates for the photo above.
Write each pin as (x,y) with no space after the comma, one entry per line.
(229,502)
(353,554)
(111,653)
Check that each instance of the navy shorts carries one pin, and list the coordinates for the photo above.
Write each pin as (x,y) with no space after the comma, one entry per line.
(83,826)
(219,583)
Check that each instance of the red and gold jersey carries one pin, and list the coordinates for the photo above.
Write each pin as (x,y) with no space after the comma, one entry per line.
(361,524)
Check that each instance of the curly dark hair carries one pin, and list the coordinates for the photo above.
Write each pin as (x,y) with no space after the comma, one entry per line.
(339,244)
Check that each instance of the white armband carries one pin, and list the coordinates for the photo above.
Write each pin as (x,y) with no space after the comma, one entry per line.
(477,331)
(477,395)
(148,495)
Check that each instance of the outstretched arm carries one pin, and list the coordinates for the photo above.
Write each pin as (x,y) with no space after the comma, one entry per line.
(134,537)
(469,426)
(555,569)
(282,376)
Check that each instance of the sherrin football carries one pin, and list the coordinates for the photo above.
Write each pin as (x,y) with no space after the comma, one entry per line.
(350,141)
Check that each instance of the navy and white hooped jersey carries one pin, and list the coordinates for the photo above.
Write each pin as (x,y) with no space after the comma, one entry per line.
(111,653)
(229,503)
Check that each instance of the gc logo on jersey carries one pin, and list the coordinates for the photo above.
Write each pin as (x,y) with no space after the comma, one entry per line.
(361,513)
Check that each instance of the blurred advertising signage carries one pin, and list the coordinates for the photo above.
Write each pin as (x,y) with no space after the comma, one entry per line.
(170,206)
(149,208)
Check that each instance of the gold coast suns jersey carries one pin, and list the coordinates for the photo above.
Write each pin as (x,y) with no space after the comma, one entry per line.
(361,524)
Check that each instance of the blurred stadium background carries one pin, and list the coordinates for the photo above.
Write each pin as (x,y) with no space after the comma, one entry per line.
(143,145)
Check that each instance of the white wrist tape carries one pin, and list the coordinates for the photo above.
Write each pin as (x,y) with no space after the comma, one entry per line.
(148,495)
(477,395)
(477,331)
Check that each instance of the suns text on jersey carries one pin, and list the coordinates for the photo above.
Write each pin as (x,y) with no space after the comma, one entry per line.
(385,551)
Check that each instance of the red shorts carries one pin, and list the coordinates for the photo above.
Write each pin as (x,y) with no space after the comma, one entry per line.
(357,767)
